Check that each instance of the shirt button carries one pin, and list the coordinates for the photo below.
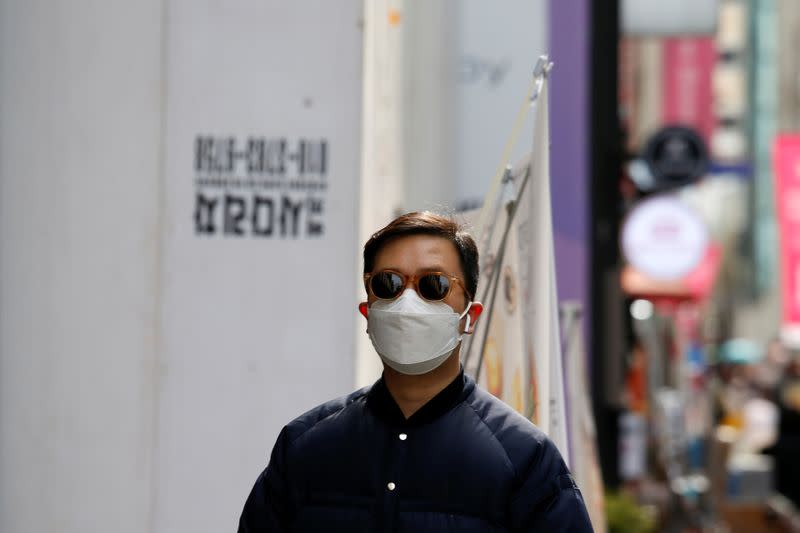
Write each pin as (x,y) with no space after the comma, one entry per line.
(403,436)
(391,486)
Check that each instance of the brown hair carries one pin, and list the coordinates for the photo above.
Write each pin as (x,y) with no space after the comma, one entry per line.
(427,223)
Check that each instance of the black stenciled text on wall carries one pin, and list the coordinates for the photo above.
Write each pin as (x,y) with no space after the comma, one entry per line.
(260,187)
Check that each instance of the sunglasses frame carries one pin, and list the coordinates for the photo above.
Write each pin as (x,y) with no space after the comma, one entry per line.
(415,283)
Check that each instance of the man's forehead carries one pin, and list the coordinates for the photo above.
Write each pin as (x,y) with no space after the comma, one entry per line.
(421,244)
(426,252)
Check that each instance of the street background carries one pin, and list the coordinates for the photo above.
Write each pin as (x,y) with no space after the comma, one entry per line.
(185,188)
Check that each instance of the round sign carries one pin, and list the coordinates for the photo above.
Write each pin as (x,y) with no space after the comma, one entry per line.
(664,238)
(675,156)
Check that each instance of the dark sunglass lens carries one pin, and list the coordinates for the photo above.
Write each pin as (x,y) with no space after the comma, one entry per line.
(434,286)
(386,285)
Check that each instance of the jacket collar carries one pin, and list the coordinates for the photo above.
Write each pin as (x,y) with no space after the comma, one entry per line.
(381,402)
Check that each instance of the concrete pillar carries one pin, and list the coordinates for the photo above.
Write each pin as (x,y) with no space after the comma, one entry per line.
(80,137)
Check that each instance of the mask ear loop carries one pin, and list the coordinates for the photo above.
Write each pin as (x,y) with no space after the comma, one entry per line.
(466,313)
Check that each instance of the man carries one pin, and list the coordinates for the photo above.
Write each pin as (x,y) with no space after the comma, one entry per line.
(423,449)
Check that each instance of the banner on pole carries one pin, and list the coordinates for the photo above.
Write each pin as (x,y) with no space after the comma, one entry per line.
(540,301)
(687,67)
(787,189)
(500,356)
(585,464)
(516,354)
(520,340)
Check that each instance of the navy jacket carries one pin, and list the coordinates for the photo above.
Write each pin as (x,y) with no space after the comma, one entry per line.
(464,462)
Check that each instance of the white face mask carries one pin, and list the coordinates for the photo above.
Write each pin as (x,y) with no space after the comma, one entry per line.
(414,336)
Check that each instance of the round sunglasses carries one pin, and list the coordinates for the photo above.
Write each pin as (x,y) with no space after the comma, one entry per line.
(432,286)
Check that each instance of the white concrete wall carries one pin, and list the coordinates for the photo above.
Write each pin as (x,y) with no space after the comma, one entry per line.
(429,63)
(256,329)
(497,46)
(145,370)
(80,136)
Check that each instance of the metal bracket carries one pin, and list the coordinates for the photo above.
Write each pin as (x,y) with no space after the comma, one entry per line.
(540,72)
(543,67)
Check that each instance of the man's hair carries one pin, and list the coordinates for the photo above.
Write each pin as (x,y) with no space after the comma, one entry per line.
(427,223)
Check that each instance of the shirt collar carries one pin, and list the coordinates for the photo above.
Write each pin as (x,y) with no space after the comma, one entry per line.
(380,400)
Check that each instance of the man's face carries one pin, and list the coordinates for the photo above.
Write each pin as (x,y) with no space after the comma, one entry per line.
(418,254)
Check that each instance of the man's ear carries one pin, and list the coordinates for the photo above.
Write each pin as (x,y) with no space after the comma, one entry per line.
(363,308)
(474,312)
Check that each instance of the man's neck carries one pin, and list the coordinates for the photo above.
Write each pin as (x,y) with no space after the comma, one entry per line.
(412,392)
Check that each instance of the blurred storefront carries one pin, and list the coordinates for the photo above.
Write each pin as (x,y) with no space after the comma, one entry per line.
(707,266)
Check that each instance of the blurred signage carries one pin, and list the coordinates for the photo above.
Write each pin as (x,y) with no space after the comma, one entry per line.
(676,17)
(697,285)
(640,88)
(675,156)
(664,238)
(787,198)
(687,67)
(732,25)
(730,81)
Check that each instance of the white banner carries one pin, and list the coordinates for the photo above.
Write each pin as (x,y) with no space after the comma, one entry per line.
(585,464)
(521,339)
(536,231)
(262,169)
(504,369)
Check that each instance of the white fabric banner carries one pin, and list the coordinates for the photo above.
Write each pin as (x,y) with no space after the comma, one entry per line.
(262,171)
(536,230)
(585,464)
(520,337)
(504,370)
